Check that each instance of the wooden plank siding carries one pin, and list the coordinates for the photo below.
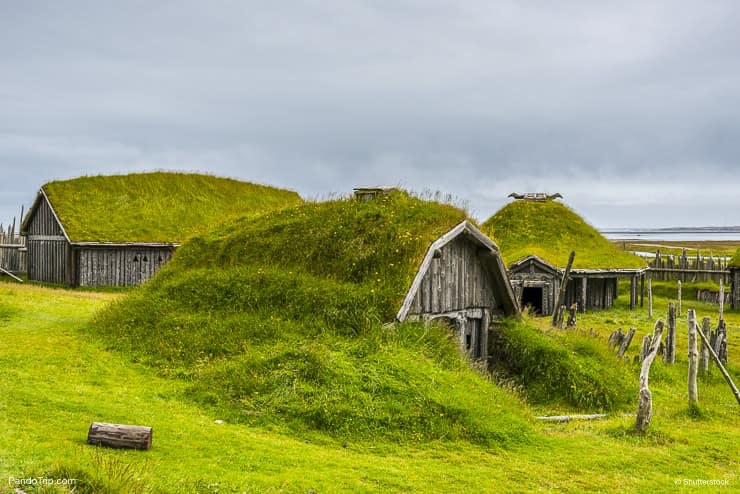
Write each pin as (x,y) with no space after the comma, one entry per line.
(456,280)
(119,266)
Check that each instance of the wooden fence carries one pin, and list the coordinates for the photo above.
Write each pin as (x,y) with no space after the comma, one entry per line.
(12,249)
(688,269)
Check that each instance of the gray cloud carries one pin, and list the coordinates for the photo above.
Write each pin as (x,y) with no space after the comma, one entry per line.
(626,110)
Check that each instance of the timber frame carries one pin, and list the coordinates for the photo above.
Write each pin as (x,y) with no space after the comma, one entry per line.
(589,288)
(54,257)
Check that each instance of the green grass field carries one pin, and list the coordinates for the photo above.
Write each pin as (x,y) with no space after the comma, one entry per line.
(57,379)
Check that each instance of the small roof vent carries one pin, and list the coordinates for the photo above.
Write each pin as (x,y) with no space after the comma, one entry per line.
(370,193)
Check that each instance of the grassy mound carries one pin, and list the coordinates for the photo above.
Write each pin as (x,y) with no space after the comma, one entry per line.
(735,261)
(563,367)
(155,207)
(277,320)
(551,230)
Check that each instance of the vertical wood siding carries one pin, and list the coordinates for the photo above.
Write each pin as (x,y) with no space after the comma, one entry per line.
(455,281)
(43,221)
(47,260)
(119,266)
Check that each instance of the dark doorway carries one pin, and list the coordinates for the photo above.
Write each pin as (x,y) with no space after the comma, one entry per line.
(532,296)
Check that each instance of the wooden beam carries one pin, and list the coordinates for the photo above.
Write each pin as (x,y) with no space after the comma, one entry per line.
(563,288)
(693,358)
(716,361)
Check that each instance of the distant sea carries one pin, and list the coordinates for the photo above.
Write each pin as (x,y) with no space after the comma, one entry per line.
(679,233)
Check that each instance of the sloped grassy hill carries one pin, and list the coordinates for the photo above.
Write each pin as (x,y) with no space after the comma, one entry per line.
(551,230)
(277,321)
(155,207)
(735,261)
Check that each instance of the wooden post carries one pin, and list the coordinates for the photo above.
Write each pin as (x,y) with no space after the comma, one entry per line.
(642,290)
(650,298)
(633,292)
(572,315)
(719,364)
(563,288)
(626,342)
(120,436)
(693,356)
(678,313)
(645,399)
(670,339)
(704,351)
(584,294)
(721,298)
(647,340)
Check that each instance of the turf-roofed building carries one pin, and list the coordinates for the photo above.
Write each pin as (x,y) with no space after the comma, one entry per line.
(119,230)
(536,235)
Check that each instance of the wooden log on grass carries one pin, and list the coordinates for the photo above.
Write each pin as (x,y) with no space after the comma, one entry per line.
(693,358)
(615,339)
(120,436)
(717,361)
(669,357)
(645,399)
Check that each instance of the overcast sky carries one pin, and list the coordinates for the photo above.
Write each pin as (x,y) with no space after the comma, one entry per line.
(631,110)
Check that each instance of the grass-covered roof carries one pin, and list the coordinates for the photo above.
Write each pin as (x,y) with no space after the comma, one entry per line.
(278,319)
(735,261)
(551,230)
(155,207)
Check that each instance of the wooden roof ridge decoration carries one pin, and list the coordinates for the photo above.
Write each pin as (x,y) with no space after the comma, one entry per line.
(536,196)
(465,227)
(41,197)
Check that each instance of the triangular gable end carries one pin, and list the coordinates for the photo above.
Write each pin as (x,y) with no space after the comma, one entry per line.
(41,199)
(495,265)
(528,261)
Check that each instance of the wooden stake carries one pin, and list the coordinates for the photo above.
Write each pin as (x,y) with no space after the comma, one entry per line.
(626,342)
(563,288)
(721,298)
(645,400)
(719,364)
(693,356)
(679,299)
(704,349)
(650,298)
(670,339)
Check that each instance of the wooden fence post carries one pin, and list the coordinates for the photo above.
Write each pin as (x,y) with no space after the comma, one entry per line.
(717,361)
(670,339)
(626,342)
(693,355)
(556,317)
(678,313)
(704,351)
(650,298)
(721,299)
(645,400)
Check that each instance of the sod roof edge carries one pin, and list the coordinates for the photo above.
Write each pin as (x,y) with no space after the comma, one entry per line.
(151,208)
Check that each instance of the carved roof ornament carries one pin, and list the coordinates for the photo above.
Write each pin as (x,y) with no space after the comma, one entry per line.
(535,196)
